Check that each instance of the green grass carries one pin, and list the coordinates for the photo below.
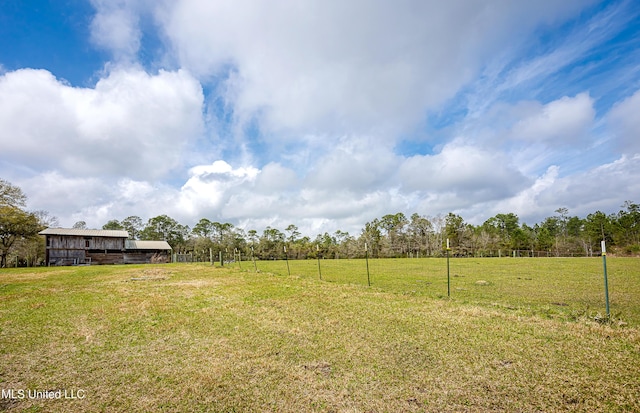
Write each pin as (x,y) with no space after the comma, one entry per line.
(554,287)
(180,338)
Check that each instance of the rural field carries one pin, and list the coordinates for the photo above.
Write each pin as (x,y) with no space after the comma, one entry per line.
(516,334)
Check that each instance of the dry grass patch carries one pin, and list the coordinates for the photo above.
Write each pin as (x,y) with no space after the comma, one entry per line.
(202,339)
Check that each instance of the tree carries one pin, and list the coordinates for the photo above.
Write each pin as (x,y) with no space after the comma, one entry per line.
(393,224)
(294,234)
(454,228)
(80,225)
(165,228)
(504,230)
(563,218)
(271,243)
(133,225)
(598,226)
(371,236)
(15,224)
(629,224)
(543,238)
(11,195)
(32,249)
(344,244)
(327,244)
(253,236)
(113,224)
(204,228)
(420,228)
(46,220)
(292,240)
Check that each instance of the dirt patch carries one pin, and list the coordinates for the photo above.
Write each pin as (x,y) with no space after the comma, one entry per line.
(151,274)
(322,368)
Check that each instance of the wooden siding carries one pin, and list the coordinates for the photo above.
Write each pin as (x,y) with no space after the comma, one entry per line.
(74,250)
(146,257)
(82,243)
(79,250)
(66,257)
(101,258)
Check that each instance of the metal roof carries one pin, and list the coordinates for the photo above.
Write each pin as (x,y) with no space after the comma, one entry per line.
(85,232)
(131,244)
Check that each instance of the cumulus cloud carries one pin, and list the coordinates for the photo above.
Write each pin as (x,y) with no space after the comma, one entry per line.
(563,121)
(601,188)
(210,186)
(594,189)
(275,178)
(625,123)
(322,67)
(535,135)
(131,124)
(116,29)
(54,191)
(474,173)
(305,105)
(354,163)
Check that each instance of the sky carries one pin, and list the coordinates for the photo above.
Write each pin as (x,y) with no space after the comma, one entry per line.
(324,114)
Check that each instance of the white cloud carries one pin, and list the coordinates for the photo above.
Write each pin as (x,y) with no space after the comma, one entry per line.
(327,89)
(116,29)
(57,193)
(331,66)
(525,204)
(533,135)
(563,121)
(603,188)
(475,174)
(596,188)
(95,200)
(625,122)
(353,163)
(275,178)
(223,193)
(117,26)
(210,186)
(131,124)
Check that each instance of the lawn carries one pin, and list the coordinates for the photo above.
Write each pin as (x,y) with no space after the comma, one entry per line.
(188,337)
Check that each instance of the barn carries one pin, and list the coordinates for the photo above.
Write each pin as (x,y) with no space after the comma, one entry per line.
(70,246)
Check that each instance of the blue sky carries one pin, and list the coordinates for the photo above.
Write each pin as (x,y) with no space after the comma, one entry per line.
(325,114)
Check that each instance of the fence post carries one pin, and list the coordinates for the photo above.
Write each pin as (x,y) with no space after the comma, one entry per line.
(286,258)
(366,257)
(253,258)
(448,276)
(318,254)
(606,283)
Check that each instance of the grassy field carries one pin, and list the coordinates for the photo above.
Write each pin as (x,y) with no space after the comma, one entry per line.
(516,335)
(552,287)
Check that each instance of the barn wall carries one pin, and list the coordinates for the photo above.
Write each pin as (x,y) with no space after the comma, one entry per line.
(70,250)
(110,257)
(66,257)
(76,242)
(146,257)
(73,250)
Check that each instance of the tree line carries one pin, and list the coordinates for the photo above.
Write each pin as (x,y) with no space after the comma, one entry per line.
(396,235)
(392,235)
